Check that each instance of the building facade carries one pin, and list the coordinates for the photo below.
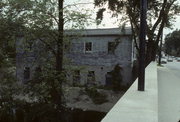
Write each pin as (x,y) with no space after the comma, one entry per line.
(96,52)
(93,54)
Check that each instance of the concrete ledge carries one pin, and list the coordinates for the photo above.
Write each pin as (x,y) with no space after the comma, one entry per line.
(138,106)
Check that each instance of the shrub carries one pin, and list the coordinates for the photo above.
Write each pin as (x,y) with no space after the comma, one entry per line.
(97,97)
(116,78)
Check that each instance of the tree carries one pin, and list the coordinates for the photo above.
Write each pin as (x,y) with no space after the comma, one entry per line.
(9,88)
(116,77)
(45,22)
(160,14)
(8,29)
(172,43)
(41,21)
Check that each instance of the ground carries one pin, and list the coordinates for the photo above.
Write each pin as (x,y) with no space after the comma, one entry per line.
(76,99)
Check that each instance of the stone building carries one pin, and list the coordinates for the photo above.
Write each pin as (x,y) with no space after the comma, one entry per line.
(28,58)
(97,51)
(93,54)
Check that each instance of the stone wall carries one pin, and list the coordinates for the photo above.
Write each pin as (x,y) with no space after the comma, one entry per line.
(98,60)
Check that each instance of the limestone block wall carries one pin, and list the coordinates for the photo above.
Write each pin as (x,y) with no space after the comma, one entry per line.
(100,74)
(97,60)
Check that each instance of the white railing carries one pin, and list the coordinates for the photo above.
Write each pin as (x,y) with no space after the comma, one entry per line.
(138,106)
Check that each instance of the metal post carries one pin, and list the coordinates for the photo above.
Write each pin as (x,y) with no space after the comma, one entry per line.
(142,45)
(160,47)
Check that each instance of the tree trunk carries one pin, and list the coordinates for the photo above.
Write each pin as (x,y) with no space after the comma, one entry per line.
(55,93)
(59,56)
(151,51)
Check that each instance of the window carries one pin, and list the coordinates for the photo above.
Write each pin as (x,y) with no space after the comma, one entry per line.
(108,78)
(88,46)
(76,77)
(111,46)
(91,77)
(26,73)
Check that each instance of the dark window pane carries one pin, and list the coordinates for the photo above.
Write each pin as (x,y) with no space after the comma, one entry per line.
(91,77)
(111,46)
(88,46)
(26,73)
(108,78)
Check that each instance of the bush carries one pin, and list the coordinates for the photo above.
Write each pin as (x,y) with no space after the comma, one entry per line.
(97,97)
(116,78)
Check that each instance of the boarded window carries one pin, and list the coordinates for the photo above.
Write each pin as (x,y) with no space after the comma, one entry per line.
(26,73)
(111,46)
(91,77)
(76,77)
(88,46)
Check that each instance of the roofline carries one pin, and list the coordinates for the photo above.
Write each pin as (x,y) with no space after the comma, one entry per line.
(99,32)
(91,32)
(97,29)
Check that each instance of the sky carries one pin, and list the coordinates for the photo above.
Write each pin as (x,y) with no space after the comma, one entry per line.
(108,21)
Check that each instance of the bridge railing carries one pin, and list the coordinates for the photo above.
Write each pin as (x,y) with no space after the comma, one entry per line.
(138,106)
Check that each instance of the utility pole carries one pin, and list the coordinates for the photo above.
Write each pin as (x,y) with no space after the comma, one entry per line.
(160,47)
(142,45)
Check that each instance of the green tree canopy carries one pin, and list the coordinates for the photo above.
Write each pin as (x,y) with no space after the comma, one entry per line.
(172,43)
(36,20)
(160,14)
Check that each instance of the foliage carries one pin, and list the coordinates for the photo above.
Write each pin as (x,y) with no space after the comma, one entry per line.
(9,88)
(172,43)
(44,24)
(116,78)
(97,97)
(36,20)
(44,86)
(160,14)
(9,24)
(41,112)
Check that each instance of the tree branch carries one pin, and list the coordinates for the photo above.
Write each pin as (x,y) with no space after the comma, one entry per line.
(48,45)
(75,4)
(160,17)
(164,19)
(134,35)
(55,19)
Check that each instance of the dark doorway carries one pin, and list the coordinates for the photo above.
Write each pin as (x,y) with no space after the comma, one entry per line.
(26,73)
(108,79)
